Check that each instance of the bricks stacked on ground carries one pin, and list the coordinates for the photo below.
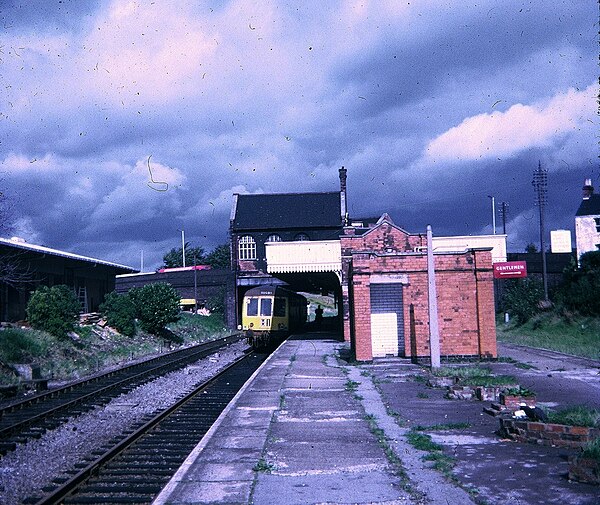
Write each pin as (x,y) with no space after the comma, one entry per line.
(547,433)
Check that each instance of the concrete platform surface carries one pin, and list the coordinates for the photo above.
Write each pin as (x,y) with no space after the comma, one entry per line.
(312,428)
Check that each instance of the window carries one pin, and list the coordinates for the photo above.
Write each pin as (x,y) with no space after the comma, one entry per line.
(252,307)
(597,221)
(247,248)
(274,238)
(301,237)
(266,304)
(279,308)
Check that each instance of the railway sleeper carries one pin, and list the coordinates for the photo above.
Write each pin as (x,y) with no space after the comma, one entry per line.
(120,487)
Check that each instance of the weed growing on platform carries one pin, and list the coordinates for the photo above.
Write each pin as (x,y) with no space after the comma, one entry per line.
(351,385)
(441,462)
(264,466)
(580,415)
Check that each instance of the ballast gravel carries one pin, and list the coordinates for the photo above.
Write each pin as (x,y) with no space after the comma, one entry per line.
(33,465)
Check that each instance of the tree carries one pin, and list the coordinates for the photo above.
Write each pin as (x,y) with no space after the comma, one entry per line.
(119,311)
(580,289)
(54,310)
(174,258)
(522,297)
(219,257)
(531,248)
(156,305)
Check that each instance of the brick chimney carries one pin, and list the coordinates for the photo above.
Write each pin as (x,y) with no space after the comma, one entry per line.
(588,189)
(343,200)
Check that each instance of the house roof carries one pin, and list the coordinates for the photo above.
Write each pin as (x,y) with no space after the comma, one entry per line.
(287,211)
(24,246)
(590,207)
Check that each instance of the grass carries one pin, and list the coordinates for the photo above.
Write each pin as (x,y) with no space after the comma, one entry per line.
(580,415)
(441,462)
(579,336)
(592,450)
(462,372)
(489,380)
(519,391)
(443,427)
(94,349)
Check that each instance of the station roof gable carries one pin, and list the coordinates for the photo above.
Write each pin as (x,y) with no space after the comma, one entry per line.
(287,211)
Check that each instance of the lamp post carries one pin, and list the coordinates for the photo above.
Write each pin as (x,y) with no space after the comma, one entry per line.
(493,213)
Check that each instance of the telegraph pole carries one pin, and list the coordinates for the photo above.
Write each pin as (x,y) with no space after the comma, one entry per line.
(540,183)
(504,212)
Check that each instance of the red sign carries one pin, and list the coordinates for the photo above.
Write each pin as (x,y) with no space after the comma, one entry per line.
(510,270)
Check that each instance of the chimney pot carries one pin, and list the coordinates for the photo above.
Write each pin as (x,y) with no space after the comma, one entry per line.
(588,189)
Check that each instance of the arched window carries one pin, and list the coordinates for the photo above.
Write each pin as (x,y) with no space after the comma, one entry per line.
(301,237)
(247,248)
(274,238)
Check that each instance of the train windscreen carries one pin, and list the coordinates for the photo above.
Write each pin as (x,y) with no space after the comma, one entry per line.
(266,306)
(252,307)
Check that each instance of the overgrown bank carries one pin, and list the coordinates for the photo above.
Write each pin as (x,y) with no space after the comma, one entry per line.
(576,335)
(93,347)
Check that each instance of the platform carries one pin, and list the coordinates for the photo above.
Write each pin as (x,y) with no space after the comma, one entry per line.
(311,428)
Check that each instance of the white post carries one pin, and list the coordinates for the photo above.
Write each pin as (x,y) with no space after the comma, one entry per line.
(434,332)
(183,246)
(142,262)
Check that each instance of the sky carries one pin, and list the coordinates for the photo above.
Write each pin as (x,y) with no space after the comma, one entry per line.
(124,122)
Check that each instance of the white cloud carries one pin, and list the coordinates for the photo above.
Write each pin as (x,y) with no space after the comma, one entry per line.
(146,192)
(502,134)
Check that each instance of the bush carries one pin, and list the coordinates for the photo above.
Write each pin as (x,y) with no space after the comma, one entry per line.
(54,310)
(579,290)
(522,297)
(119,311)
(156,305)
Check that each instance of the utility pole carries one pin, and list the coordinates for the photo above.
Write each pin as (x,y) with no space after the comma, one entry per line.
(493,213)
(540,183)
(504,212)
(195,285)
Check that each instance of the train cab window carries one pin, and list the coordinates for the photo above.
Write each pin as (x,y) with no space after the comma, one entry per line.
(247,248)
(266,306)
(252,307)
(302,237)
(279,308)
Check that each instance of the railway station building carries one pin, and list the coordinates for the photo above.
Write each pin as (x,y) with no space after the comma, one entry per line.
(29,265)
(375,270)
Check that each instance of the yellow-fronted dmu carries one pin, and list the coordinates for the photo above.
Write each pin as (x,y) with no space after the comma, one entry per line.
(270,313)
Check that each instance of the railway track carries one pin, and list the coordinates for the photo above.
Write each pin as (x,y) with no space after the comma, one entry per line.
(136,468)
(32,417)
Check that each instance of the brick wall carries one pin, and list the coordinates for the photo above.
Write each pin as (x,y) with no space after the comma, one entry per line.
(464,284)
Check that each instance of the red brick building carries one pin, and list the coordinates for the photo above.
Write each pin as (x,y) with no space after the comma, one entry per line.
(385,295)
(378,274)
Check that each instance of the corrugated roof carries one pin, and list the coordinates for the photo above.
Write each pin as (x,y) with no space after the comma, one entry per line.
(55,252)
(287,210)
(590,207)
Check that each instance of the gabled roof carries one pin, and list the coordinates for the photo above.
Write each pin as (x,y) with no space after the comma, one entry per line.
(287,211)
(590,207)
(24,246)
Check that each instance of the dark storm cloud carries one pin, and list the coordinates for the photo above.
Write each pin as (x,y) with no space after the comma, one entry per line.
(431,107)
(407,66)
